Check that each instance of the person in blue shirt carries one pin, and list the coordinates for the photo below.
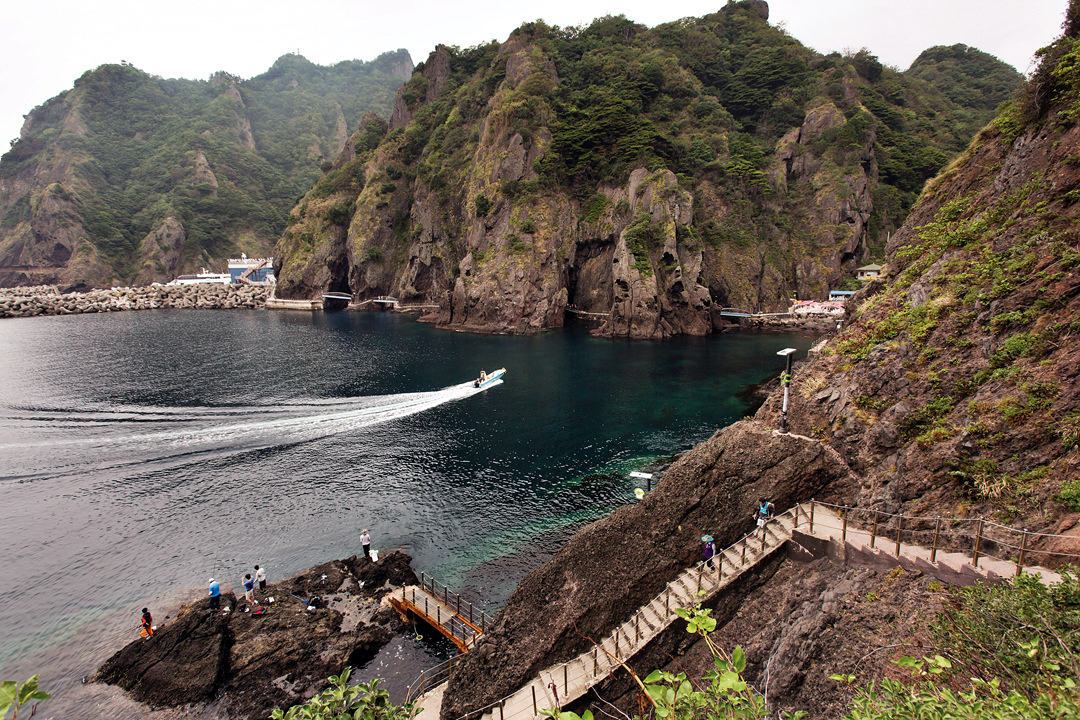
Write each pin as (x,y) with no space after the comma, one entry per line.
(764,513)
(215,594)
(249,590)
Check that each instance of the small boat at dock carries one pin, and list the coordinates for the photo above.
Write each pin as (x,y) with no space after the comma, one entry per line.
(487,379)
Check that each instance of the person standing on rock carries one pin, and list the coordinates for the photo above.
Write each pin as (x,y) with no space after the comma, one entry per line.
(260,577)
(215,594)
(147,623)
(249,590)
(365,542)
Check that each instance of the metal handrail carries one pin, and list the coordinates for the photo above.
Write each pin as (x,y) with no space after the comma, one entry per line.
(977,548)
(631,626)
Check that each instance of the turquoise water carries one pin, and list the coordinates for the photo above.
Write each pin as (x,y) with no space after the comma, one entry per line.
(142,453)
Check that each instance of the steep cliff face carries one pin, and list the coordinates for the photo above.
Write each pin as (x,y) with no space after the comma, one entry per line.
(954,390)
(131,178)
(953,393)
(599,171)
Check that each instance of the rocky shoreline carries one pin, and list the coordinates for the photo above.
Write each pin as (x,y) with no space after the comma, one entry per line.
(49,300)
(236,663)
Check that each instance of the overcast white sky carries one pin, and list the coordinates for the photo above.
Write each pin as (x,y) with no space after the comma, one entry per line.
(47,45)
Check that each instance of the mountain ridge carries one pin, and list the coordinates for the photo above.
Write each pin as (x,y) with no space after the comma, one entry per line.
(131,177)
(649,175)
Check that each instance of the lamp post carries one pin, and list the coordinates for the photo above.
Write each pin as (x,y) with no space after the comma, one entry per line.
(785,380)
(643,476)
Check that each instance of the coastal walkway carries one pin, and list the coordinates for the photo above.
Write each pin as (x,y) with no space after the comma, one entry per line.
(740,313)
(582,313)
(561,684)
(851,535)
(444,610)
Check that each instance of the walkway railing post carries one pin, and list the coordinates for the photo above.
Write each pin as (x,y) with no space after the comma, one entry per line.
(899,529)
(700,572)
(743,560)
(978,544)
(843,531)
(811,516)
(873,532)
(667,602)
(444,590)
(533,688)
(566,680)
(483,622)
(1023,550)
(470,612)
(595,664)
(937,533)
(637,628)
(458,604)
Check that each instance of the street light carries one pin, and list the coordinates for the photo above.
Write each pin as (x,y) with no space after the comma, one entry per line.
(785,380)
(642,476)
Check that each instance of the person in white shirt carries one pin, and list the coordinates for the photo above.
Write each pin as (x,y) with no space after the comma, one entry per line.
(365,541)
(260,577)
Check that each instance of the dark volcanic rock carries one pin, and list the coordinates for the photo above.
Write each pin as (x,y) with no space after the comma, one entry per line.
(258,662)
(183,663)
(615,565)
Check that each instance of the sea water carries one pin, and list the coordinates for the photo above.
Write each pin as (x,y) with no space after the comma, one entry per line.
(142,453)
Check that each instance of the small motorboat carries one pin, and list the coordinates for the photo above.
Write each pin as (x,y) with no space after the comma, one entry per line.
(487,378)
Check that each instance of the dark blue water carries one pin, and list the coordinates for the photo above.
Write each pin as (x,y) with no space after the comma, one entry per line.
(143,452)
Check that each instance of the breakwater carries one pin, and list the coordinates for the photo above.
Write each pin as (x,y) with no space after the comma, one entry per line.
(48,300)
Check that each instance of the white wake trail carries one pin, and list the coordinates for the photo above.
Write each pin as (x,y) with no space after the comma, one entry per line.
(288,422)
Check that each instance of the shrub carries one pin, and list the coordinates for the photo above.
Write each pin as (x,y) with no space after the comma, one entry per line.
(1069,494)
(342,213)
(1070,429)
(483,206)
(341,700)
(594,209)
(1025,632)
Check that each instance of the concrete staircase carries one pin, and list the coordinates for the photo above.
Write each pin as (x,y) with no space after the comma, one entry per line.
(561,684)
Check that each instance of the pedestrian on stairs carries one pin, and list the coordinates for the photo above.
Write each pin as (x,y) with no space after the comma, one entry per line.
(764,513)
(710,549)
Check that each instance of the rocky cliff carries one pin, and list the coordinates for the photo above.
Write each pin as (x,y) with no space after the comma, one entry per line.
(651,176)
(130,177)
(952,393)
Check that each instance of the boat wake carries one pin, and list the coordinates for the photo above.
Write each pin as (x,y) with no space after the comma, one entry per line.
(122,435)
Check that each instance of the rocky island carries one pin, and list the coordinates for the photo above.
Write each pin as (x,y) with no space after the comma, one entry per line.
(244,665)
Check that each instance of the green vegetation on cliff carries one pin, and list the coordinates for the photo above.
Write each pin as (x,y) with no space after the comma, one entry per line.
(963,360)
(226,157)
(792,164)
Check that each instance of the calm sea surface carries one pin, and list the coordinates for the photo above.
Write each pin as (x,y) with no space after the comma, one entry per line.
(143,452)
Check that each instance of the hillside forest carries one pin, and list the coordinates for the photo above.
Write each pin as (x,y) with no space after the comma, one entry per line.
(133,178)
(651,175)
